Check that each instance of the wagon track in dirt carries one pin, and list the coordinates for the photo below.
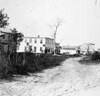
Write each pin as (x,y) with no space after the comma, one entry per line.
(71,78)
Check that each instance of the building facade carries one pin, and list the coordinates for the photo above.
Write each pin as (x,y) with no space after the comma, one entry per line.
(7,40)
(87,48)
(69,50)
(37,45)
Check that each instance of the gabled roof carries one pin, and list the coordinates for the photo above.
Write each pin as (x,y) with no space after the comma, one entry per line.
(5,30)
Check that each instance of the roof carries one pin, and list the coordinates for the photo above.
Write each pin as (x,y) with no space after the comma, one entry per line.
(5,30)
(69,47)
(39,37)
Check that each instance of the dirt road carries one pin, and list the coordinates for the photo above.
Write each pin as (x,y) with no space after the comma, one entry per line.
(69,79)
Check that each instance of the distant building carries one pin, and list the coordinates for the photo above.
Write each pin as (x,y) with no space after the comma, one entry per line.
(7,40)
(70,50)
(37,45)
(87,48)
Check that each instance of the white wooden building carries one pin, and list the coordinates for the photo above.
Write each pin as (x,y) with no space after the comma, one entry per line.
(87,47)
(37,44)
(69,50)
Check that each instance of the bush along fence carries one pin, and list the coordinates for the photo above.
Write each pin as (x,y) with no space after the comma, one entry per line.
(24,63)
(29,62)
(96,56)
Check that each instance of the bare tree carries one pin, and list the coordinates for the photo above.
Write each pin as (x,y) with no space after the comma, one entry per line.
(56,26)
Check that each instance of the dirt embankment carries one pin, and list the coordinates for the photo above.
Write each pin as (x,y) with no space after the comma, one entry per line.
(69,79)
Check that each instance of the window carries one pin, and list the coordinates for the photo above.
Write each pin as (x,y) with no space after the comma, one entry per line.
(30,40)
(41,49)
(43,45)
(41,41)
(34,49)
(35,41)
(2,36)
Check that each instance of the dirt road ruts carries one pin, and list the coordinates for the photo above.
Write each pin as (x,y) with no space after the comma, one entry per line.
(69,79)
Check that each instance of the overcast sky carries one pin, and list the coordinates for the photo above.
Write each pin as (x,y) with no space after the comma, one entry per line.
(81,19)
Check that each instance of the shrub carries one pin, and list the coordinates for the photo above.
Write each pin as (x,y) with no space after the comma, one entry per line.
(35,62)
(24,63)
(95,56)
(4,67)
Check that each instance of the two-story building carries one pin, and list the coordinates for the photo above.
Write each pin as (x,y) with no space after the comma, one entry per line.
(7,40)
(37,45)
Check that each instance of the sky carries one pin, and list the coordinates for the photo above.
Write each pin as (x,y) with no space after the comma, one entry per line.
(80,19)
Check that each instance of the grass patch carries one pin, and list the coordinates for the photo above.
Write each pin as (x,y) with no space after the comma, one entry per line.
(87,60)
(36,62)
(28,63)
